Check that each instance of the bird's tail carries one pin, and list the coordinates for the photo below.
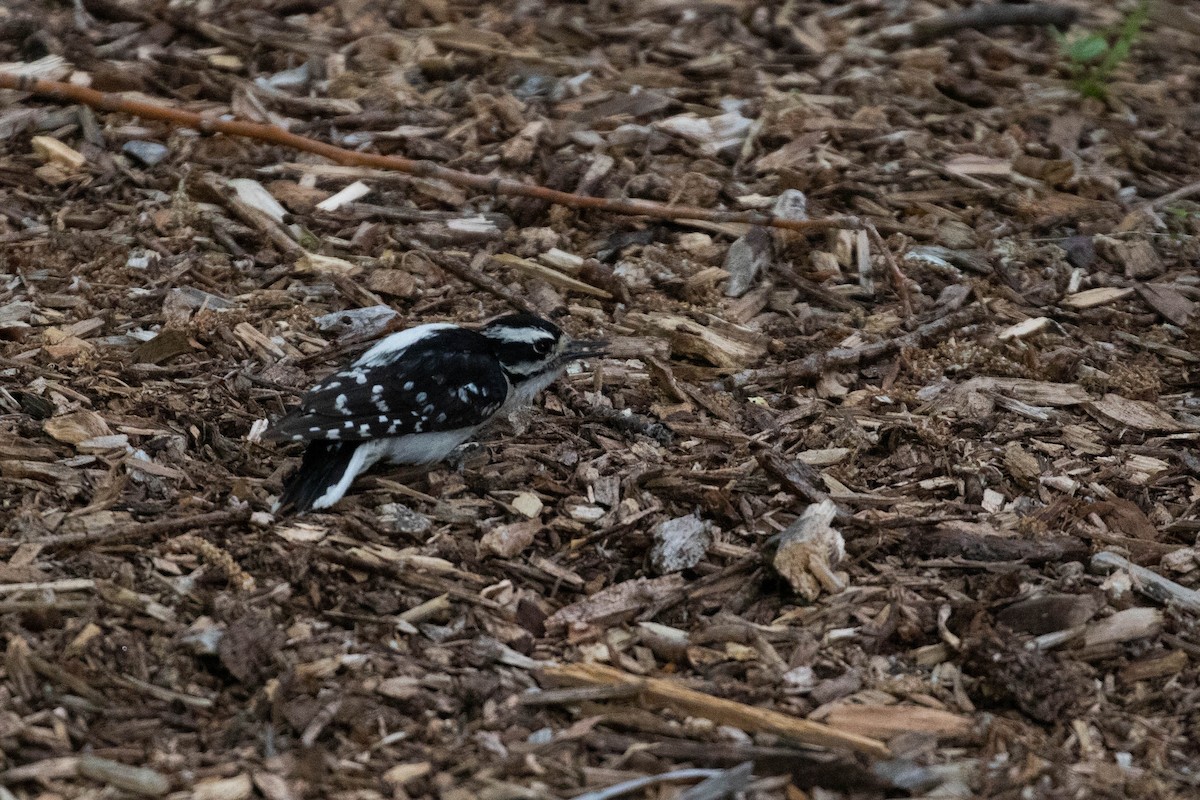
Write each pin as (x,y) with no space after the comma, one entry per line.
(326,472)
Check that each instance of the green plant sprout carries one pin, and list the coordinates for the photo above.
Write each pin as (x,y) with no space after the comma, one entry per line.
(1094,57)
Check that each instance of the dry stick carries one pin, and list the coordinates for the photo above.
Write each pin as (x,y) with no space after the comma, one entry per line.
(898,277)
(459,267)
(146,530)
(840,358)
(405,574)
(813,290)
(1182,193)
(679,698)
(981,18)
(419,168)
(1149,582)
(796,477)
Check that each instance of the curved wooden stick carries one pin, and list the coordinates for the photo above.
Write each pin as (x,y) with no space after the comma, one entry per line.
(423,169)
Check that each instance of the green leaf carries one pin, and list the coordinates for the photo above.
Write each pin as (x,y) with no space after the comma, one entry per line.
(1088,49)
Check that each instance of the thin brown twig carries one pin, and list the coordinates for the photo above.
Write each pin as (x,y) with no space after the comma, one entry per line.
(458,266)
(420,168)
(1182,193)
(898,277)
(685,700)
(127,533)
(796,477)
(840,358)
(405,574)
(982,18)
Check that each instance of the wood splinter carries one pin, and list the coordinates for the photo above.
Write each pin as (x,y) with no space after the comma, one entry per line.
(672,695)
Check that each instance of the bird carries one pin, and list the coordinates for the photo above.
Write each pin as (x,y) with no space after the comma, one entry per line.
(414,397)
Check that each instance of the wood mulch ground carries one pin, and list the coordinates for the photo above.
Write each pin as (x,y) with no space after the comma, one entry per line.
(913,520)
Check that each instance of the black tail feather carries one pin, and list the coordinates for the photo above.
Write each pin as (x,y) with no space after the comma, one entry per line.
(323,465)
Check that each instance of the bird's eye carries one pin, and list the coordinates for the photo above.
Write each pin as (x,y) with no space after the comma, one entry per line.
(543,347)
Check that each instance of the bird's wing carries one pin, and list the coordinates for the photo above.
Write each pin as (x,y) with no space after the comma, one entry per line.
(428,394)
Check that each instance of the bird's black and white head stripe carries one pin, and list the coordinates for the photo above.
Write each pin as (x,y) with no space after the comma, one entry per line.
(415,396)
(525,344)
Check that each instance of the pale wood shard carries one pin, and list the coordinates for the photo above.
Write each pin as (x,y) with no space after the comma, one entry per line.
(141,781)
(37,471)
(47,769)
(676,697)
(507,541)
(564,262)
(823,457)
(691,339)
(613,604)
(550,275)
(353,192)
(76,427)
(1025,328)
(1124,626)
(1091,298)
(315,262)
(52,150)
(258,343)
(404,773)
(886,721)
(1137,414)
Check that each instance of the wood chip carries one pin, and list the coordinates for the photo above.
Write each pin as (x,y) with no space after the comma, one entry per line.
(679,543)
(809,550)
(54,151)
(141,781)
(1096,297)
(612,605)
(550,275)
(1136,414)
(76,427)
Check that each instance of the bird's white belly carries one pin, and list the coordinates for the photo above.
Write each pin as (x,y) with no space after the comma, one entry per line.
(417,448)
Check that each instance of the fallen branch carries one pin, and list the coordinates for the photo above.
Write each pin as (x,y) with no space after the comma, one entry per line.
(675,696)
(420,168)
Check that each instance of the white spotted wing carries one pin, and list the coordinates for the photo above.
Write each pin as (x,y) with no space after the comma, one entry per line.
(445,381)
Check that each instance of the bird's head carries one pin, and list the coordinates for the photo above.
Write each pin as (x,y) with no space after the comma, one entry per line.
(530,347)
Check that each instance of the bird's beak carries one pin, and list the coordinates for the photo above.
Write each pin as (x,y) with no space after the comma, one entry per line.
(584,348)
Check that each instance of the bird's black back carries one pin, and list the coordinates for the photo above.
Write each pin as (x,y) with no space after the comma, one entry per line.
(447,380)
